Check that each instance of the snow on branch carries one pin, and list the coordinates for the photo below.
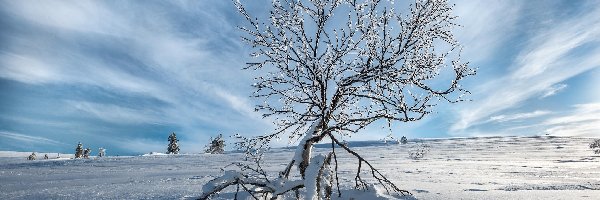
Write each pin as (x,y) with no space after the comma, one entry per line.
(333,67)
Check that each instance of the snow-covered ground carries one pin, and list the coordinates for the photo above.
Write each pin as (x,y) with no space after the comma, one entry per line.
(469,168)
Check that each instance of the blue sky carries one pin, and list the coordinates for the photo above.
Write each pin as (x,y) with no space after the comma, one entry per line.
(124,74)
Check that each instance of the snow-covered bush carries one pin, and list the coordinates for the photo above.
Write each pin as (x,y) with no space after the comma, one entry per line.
(390,137)
(403,140)
(216,145)
(32,156)
(79,151)
(101,152)
(595,146)
(330,69)
(418,152)
(173,147)
(87,152)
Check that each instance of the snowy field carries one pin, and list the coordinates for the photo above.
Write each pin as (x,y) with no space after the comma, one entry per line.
(470,168)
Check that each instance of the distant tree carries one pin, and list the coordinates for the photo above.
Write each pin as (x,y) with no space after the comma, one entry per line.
(595,146)
(173,147)
(32,156)
(390,137)
(403,140)
(333,67)
(79,151)
(87,152)
(101,152)
(216,146)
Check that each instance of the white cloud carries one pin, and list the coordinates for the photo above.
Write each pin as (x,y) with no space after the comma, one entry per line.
(486,25)
(584,120)
(118,114)
(546,61)
(553,90)
(26,69)
(28,138)
(518,116)
(138,53)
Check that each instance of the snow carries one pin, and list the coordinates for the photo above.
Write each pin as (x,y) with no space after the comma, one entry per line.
(155,154)
(312,172)
(40,156)
(229,176)
(463,168)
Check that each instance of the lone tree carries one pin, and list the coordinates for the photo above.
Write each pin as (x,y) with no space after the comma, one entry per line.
(173,148)
(333,67)
(216,146)
(79,151)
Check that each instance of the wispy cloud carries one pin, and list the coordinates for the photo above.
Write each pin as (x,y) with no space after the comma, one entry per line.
(118,114)
(486,25)
(518,116)
(553,90)
(28,138)
(547,60)
(190,68)
(584,120)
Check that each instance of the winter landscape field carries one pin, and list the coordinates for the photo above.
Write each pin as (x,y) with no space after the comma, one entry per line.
(293,99)
(459,168)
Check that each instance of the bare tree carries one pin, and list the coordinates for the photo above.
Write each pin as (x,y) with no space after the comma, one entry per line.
(333,67)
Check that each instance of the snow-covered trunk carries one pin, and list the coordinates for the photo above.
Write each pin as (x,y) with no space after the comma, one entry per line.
(315,171)
(318,178)
(303,151)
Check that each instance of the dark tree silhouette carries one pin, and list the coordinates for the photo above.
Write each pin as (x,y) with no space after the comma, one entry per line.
(32,156)
(173,147)
(79,151)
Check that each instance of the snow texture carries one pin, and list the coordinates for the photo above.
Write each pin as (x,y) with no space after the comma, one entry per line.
(310,182)
(462,168)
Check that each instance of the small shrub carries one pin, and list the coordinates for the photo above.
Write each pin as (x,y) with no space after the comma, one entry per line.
(403,140)
(595,146)
(32,156)
(86,153)
(418,152)
(216,146)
